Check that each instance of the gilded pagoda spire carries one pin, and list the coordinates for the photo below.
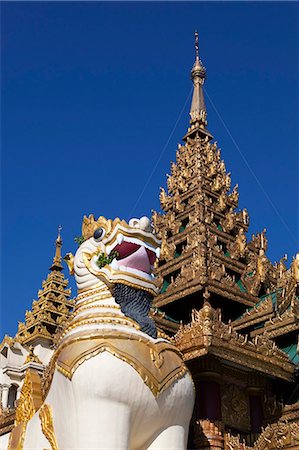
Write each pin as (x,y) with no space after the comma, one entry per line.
(57,265)
(204,243)
(198,112)
(198,75)
(52,309)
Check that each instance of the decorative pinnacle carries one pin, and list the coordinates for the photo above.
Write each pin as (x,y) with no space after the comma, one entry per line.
(196,45)
(57,258)
(198,70)
(59,230)
(198,74)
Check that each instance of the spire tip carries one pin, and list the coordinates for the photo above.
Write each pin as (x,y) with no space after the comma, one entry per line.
(196,45)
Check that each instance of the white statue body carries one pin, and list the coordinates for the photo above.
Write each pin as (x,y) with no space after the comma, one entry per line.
(115,385)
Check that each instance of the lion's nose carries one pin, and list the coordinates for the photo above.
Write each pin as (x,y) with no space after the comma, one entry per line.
(143,224)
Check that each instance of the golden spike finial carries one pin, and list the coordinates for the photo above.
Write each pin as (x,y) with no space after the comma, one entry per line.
(198,74)
(57,258)
(196,45)
(59,230)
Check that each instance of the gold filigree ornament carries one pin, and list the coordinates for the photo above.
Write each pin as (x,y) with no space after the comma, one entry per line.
(29,402)
(89,225)
(46,418)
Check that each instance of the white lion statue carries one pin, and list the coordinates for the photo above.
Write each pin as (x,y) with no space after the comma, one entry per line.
(113,383)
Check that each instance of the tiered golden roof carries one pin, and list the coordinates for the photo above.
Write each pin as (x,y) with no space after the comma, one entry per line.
(52,309)
(239,313)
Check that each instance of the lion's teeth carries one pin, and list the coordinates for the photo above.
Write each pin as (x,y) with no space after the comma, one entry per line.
(108,250)
(114,265)
(158,252)
(120,239)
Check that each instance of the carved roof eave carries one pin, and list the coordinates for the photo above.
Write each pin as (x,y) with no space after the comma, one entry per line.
(197,129)
(246,357)
(7,419)
(281,325)
(181,291)
(231,292)
(275,325)
(253,360)
(34,337)
(207,334)
(164,323)
(8,340)
(259,313)
(214,286)
(171,265)
(291,412)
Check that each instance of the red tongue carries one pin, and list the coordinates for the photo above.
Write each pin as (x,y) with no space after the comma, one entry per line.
(138,260)
(125,249)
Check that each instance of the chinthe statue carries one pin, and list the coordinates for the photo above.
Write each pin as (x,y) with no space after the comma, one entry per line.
(111,383)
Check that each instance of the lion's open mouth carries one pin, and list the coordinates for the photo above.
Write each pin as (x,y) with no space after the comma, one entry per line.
(133,255)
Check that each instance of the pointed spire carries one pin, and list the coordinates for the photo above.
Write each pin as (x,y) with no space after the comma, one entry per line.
(57,258)
(198,112)
(198,75)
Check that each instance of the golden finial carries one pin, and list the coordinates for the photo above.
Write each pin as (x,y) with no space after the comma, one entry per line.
(198,74)
(57,258)
(196,45)
(59,230)
(198,69)
(31,357)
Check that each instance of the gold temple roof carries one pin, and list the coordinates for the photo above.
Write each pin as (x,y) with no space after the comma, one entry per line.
(52,309)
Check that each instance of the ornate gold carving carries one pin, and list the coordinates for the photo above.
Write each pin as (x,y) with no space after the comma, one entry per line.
(234,196)
(237,249)
(271,407)
(31,357)
(222,201)
(46,418)
(29,402)
(232,442)
(295,268)
(107,317)
(7,340)
(89,225)
(52,298)
(208,434)
(90,293)
(229,222)
(208,334)
(165,200)
(256,272)
(235,407)
(259,241)
(17,437)
(30,398)
(280,272)
(277,436)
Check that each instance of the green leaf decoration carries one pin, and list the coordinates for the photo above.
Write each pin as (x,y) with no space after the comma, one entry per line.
(103,259)
(79,240)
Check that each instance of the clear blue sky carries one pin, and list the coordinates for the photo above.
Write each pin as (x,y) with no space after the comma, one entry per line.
(90,95)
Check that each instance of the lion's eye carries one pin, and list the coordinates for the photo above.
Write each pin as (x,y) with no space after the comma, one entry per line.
(99,234)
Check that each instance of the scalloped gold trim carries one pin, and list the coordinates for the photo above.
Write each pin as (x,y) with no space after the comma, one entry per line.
(46,418)
(117,320)
(159,364)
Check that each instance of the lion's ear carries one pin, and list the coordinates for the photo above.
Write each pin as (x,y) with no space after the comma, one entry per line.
(69,259)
